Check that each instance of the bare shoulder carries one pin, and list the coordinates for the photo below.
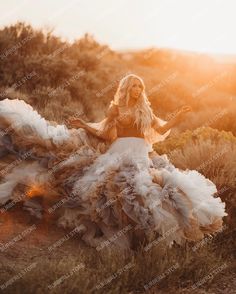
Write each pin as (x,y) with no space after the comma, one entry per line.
(113,110)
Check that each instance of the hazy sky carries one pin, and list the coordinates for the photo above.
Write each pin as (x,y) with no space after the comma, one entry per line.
(198,25)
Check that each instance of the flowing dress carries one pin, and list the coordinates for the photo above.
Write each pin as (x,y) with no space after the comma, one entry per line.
(114,193)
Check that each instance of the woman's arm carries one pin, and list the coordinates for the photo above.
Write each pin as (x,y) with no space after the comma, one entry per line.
(171,123)
(79,123)
(109,134)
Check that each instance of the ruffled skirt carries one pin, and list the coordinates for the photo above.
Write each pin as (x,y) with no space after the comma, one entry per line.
(127,193)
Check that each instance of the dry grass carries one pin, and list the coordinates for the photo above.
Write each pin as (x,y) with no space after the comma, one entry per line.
(175,269)
(133,272)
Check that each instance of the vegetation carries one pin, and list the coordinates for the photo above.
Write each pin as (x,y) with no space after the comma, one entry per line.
(60,79)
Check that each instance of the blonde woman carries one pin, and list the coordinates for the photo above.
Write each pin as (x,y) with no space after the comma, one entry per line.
(147,190)
(124,195)
(130,115)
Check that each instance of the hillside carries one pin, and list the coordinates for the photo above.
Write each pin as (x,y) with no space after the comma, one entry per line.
(61,79)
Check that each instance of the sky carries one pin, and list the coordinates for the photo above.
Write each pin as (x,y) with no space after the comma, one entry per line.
(206,26)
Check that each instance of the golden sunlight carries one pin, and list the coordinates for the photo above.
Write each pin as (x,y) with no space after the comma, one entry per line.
(203,26)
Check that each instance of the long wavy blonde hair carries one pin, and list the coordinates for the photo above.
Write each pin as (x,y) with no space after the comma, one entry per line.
(143,111)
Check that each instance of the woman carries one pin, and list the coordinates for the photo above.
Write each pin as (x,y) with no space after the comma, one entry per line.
(125,194)
(132,184)
(130,115)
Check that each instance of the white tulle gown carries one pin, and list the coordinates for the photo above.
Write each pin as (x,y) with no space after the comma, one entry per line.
(116,194)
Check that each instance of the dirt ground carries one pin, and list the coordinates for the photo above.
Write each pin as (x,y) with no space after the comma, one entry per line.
(33,247)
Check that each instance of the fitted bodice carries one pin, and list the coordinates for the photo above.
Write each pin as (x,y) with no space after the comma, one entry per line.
(125,123)
(125,116)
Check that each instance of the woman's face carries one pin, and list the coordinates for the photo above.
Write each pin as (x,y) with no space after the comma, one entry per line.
(136,89)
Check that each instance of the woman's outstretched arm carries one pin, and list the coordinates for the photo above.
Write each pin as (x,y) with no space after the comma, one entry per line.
(172,122)
(109,134)
(79,123)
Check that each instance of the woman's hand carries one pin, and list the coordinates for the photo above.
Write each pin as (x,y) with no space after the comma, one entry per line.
(184,109)
(76,123)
